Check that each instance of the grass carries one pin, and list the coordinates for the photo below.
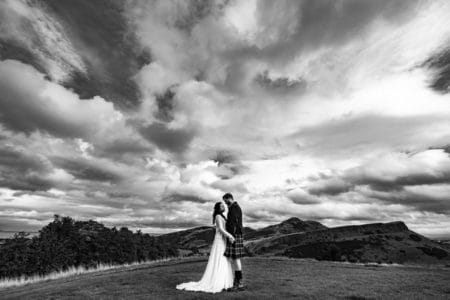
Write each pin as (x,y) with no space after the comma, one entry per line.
(266,278)
(24,280)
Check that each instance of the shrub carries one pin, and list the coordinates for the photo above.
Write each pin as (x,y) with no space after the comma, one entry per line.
(66,243)
(415,237)
(436,252)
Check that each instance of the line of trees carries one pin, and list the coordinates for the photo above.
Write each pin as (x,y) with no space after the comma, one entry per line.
(64,243)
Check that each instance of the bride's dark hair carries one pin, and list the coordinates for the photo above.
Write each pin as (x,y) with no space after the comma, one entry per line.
(217,211)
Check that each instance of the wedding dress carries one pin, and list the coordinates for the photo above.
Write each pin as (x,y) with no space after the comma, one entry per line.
(218,274)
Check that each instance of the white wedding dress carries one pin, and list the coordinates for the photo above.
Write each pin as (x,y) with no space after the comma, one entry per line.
(219,273)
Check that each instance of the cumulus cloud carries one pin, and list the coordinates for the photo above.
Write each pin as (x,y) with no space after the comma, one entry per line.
(21,170)
(280,84)
(87,170)
(351,133)
(329,110)
(418,179)
(330,187)
(31,103)
(175,140)
(300,196)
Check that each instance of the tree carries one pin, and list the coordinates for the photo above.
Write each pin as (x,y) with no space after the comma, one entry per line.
(65,242)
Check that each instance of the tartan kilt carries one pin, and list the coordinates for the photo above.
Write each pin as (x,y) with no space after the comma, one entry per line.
(235,250)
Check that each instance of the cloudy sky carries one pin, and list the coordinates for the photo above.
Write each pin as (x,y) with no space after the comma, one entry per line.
(143,113)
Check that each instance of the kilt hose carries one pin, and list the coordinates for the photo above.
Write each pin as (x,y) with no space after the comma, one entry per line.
(236,249)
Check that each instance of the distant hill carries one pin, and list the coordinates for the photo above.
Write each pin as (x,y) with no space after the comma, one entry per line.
(383,243)
(190,240)
(195,240)
(5,234)
(199,239)
(292,225)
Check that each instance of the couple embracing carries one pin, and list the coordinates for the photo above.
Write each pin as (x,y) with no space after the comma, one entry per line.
(226,252)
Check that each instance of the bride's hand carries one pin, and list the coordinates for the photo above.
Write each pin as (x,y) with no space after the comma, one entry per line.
(232,239)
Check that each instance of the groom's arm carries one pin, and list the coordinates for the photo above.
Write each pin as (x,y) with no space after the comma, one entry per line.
(233,220)
(239,219)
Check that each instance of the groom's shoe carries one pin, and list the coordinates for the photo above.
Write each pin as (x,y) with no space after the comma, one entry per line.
(240,286)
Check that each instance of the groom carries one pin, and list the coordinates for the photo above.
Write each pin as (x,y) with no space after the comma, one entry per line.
(235,250)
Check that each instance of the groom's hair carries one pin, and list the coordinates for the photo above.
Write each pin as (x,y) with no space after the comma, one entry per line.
(227,196)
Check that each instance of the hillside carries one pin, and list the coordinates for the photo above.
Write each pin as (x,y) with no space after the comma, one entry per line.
(266,278)
(291,225)
(382,243)
(193,241)
(199,239)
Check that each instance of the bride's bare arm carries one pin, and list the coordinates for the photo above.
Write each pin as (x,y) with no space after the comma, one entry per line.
(219,225)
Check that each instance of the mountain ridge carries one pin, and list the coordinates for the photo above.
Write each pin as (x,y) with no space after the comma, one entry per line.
(391,242)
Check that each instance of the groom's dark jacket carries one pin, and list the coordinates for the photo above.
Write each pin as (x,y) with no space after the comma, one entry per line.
(234,219)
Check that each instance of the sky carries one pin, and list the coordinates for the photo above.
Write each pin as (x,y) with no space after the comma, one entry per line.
(144,113)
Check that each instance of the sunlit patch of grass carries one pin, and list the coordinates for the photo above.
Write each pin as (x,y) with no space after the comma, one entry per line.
(72,271)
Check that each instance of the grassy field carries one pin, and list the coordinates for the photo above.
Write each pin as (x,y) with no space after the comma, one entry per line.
(266,278)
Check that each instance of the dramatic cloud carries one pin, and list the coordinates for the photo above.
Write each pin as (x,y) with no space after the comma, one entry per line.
(419,179)
(280,84)
(30,103)
(88,46)
(440,64)
(143,113)
(280,31)
(175,140)
(87,170)
(28,33)
(374,131)
(23,170)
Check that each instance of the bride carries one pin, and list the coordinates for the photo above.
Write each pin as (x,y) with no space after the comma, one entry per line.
(218,274)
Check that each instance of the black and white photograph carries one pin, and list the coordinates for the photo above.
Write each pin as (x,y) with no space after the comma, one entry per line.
(225,149)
